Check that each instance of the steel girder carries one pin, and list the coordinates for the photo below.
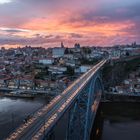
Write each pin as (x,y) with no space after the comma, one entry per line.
(80,116)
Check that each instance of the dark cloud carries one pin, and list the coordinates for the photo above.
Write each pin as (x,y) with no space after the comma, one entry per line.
(75,35)
(108,14)
(48,36)
(38,39)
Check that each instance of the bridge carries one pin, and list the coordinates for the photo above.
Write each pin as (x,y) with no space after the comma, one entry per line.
(70,115)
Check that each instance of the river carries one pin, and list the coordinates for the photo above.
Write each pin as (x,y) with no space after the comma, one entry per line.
(13,111)
(114,121)
(117,121)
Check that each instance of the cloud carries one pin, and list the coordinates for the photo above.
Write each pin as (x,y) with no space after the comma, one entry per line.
(13,30)
(75,35)
(91,22)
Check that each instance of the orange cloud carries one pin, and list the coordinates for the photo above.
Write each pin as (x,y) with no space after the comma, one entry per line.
(85,22)
(59,26)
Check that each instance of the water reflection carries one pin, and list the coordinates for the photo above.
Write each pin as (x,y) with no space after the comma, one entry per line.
(13,111)
(117,121)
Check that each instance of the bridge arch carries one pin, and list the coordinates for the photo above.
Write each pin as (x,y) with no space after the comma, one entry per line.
(85,108)
(81,114)
(94,95)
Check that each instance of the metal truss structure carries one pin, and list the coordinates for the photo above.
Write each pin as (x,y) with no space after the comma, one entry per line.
(81,115)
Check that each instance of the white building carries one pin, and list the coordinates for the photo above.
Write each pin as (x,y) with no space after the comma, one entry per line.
(58,52)
(69,56)
(84,68)
(46,61)
(57,69)
(126,82)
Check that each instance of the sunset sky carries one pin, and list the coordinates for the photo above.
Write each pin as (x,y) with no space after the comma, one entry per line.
(89,22)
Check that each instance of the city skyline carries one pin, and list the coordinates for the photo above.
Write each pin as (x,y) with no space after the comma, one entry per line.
(46,23)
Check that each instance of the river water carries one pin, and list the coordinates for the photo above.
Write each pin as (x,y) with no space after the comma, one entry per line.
(114,121)
(117,121)
(13,111)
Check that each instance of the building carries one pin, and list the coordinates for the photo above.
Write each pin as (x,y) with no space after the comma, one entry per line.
(58,52)
(57,69)
(84,68)
(46,61)
(71,63)
(95,54)
(115,54)
(77,46)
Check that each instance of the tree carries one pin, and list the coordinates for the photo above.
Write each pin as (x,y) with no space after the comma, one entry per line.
(86,50)
(70,71)
(127,54)
(66,51)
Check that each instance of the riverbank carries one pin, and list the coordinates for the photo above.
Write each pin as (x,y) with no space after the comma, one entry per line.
(120,97)
(24,93)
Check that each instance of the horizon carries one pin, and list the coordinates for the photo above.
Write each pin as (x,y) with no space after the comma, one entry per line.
(81,46)
(45,23)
